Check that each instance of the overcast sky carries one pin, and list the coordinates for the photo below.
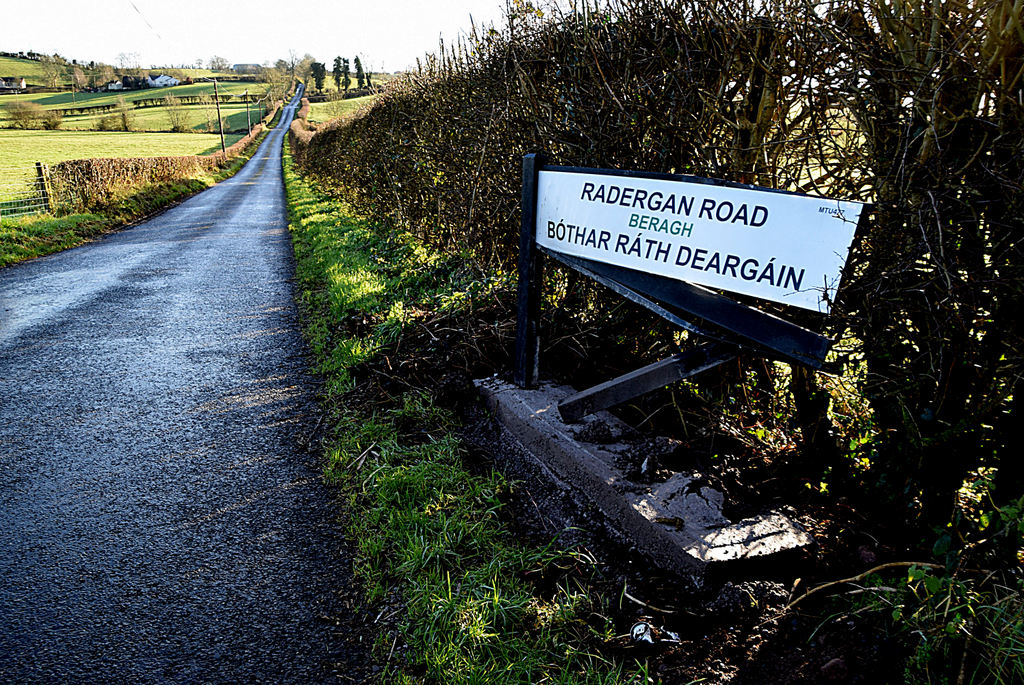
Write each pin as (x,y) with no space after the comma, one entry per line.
(389,34)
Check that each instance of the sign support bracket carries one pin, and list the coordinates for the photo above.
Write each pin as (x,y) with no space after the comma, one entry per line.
(635,383)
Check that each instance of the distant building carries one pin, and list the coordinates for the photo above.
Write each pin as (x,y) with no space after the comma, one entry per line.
(162,81)
(114,85)
(13,83)
(245,68)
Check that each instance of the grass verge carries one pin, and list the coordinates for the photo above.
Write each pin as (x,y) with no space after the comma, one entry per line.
(28,237)
(430,528)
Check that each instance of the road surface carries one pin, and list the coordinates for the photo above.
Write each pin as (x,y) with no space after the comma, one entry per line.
(162,516)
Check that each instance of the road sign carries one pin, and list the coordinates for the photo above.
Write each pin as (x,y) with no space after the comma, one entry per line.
(663,242)
(782,247)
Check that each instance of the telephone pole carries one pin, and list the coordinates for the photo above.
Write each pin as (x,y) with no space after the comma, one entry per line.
(220,122)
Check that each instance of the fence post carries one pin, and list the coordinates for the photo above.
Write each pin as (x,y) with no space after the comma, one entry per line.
(527,351)
(43,179)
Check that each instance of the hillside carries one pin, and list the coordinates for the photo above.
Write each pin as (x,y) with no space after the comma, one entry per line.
(65,99)
(33,73)
(28,69)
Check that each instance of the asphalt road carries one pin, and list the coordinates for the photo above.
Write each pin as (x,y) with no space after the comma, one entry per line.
(162,516)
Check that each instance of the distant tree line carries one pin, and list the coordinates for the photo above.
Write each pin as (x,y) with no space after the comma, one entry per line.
(341,72)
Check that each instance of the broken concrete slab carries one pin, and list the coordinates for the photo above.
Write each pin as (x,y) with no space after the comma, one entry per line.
(678,524)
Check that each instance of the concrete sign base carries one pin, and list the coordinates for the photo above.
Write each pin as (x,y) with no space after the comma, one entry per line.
(678,526)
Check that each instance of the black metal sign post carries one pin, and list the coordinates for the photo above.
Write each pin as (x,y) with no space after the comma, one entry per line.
(530,275)
(730,327)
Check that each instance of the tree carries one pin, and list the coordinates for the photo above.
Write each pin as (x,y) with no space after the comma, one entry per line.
(125,114)
(106,74)
(304,68)
(128,60)
(319,72)
(293,62)
(360,76)
(176,114)
(346,80)
(53,69)
(209,109)
(337,73)
(52,119)
(218,63)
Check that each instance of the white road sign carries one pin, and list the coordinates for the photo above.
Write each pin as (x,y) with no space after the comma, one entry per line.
(780,247)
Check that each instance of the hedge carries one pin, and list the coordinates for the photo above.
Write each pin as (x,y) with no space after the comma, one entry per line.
(914,107)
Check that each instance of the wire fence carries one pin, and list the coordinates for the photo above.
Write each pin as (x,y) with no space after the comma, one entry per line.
(24,190)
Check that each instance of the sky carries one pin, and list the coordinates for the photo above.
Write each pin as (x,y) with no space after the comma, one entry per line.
(387,34)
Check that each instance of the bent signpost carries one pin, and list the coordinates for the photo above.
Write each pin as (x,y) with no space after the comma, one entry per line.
(668,243)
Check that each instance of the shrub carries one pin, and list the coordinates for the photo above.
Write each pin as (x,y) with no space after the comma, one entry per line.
(92,184)
(239,146)
(108,123)
(24,114)
(125,115)
(52,119)
(176,114)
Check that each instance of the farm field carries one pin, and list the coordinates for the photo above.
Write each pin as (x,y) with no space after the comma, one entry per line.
(22,149)
(64,99)
(320,112)
(200,118)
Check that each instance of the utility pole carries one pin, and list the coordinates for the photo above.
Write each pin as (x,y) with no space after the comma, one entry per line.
(220,122)
(248,121)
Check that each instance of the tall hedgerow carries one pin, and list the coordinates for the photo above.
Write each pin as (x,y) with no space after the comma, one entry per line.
(914,107)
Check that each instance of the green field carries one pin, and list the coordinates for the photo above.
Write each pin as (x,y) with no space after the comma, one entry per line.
(200,118)
(28,69)
(22,149)
(65,99)
(320,112)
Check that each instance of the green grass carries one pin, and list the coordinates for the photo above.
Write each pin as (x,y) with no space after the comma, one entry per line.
(320,112)
(427,527)
(22,149)
(200,118)
(29,237)
(28,69)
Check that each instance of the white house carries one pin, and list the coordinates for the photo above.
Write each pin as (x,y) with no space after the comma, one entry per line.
(162,81)
(13,82)
(114,85)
